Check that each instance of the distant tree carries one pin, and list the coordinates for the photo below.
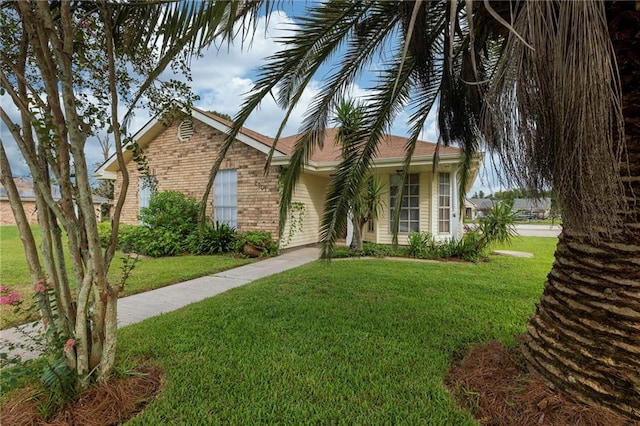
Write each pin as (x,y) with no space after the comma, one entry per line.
(221,115)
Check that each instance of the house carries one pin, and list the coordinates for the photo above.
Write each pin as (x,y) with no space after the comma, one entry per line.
(526,208)
(470,209)
(483,205)
(529,208)
(180,155)
(28,198)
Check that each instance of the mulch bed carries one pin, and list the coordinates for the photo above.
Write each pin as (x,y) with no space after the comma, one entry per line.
(492,383)
(111,403)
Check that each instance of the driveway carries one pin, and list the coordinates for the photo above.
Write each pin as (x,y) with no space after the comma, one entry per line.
(539,230)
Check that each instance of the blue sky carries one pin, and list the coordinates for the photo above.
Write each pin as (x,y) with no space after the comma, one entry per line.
(222,76)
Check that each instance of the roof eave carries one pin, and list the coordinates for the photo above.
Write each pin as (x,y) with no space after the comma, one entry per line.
(103,171)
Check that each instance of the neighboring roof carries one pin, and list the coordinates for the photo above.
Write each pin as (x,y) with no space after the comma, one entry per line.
(531,204)
(484,203)
(25,190)
(469,203)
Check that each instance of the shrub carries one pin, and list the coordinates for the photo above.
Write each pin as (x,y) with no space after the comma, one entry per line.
(471,247)
(126,235)
(382,250)
(104,233)
(159,243)
(421,244)
(215,238)
(172,212)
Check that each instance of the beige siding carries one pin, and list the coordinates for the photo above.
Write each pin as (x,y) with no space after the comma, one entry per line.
(310,191)
(185,166)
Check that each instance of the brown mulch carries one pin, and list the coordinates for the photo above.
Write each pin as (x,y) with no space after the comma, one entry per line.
(109,403)
(492,383)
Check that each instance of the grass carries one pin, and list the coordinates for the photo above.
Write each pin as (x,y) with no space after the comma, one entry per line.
(348,342)
(149,273)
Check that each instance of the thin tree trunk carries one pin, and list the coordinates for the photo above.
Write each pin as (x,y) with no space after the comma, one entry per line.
(356,239)
(585,334)
(26,236)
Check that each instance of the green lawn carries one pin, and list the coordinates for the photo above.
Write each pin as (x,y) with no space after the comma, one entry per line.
(349,342)
(149,273)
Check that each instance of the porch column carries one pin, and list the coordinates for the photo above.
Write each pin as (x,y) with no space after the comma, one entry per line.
(455,209)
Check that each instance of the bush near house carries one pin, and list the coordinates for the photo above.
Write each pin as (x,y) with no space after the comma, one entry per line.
(216,238)
(497,228)
(170,227)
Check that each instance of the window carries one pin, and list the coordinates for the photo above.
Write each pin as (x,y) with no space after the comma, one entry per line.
(410,207)
(444,203)
(225,197)
(146,186)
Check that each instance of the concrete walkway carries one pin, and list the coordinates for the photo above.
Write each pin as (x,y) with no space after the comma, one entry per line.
(136,308)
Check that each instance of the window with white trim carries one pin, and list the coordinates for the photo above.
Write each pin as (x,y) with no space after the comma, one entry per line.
(410,206)
(225,197)
(145,189)
(444,203)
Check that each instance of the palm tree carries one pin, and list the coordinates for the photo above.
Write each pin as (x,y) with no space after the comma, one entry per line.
(367,200)
(366,207)
(551,87)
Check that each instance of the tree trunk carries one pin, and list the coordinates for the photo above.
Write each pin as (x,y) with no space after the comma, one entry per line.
(585,334)
(356,239)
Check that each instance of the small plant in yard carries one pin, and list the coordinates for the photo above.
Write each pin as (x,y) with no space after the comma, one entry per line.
(215,238)
(421,244)
(58,380)
(498,227)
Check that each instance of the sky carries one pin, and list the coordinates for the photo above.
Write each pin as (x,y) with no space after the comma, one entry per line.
(222,76)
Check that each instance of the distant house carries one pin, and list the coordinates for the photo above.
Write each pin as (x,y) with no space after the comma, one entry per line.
(28,198)
(525,208)
(180,155)
(529,208)
(470,209)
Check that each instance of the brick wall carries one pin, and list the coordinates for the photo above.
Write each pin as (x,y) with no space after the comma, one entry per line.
(6,214)
(185,166)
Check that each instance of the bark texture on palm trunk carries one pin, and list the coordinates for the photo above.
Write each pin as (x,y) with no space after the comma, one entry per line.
(585,334)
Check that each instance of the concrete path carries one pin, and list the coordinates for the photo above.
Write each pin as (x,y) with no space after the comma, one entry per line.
(136,308)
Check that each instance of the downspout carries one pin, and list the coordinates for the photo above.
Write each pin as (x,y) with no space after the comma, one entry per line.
(455,232)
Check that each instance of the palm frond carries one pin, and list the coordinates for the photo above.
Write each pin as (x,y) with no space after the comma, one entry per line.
(539,121)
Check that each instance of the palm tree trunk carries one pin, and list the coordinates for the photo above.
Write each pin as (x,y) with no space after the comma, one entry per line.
(585,334)
(356,239)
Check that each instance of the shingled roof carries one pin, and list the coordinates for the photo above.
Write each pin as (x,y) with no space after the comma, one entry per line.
(390,146)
